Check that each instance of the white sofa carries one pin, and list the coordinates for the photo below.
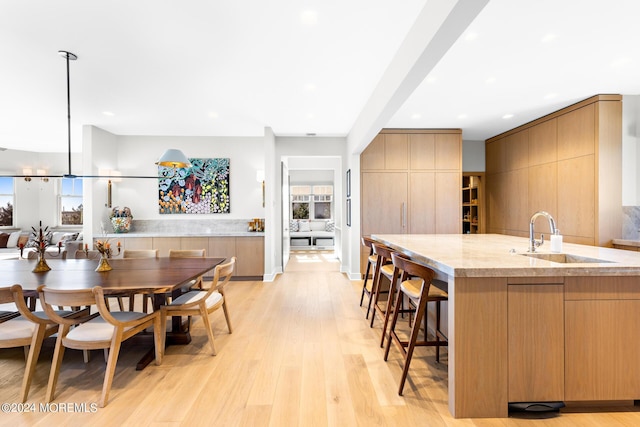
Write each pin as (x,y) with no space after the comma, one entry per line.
(70,246)
(312,234)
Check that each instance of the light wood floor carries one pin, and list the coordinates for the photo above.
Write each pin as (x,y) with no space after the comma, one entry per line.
(301,354)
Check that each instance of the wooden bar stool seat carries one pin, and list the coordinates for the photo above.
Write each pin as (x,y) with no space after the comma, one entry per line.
(420,291)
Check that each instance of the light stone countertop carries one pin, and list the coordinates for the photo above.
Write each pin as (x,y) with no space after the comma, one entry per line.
(626,242)
(182,234)
(496,255)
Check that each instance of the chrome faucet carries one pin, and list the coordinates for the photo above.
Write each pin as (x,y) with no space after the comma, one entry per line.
(533,243)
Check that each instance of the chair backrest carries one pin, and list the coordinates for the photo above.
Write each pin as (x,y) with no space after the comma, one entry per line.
(50,297)
(413,269)
(187,253)
(6,296)
(140,253)
(92,254)
(382,250)
(47,255)
(222,274)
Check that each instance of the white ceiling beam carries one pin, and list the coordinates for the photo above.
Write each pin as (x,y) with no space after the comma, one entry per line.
(439,25)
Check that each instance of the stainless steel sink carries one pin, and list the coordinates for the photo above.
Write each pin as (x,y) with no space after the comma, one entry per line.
(565,258)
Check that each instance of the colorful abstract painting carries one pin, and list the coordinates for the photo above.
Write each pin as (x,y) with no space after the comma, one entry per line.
(202,188)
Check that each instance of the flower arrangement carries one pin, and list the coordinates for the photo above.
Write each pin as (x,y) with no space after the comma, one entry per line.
(41,239)
(121,219)
(104,247)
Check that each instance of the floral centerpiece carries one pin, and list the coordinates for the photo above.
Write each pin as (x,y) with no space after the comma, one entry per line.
(41,238)
(121,219)
(104,247)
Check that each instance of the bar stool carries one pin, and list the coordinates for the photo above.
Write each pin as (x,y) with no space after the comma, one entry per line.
(384,268)
(371,261)
(420,292)
(398,276)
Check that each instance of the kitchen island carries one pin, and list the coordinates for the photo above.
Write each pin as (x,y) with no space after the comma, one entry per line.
(543,327)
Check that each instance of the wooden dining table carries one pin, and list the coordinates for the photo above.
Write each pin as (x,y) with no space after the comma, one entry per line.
(158,276)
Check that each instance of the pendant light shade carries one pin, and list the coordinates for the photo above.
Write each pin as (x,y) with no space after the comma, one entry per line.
(173,158)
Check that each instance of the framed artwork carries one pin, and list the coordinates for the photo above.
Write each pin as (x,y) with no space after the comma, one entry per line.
(202,188)
(349,212)
(348,182)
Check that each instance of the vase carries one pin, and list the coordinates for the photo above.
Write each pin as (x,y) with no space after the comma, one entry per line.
(121,224)
(42,265)
(103,264)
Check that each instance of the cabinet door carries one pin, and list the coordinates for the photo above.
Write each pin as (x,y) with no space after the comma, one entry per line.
(449,151)
(422,147)
(543,143)
(447,203)
(536,342)
(422,205)
(396,151)
(384,203)
(195,243)
(576,198)
(543,193)
(164,244)
(372,158)
(517,213)
(250,253)
(223,247)
(577,133)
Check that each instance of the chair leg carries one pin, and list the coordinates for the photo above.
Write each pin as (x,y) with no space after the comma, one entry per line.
(392,327)
(58,353)
(158,338)
(415,330)
(163,330)
(207,326)
(374,286)
(364,285)
(114,351)
(226,314)
(32,360)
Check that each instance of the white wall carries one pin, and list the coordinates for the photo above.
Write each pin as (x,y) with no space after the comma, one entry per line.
(630,150)
(473,157)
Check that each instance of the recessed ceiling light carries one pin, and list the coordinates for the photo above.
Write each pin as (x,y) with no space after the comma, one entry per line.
(462,116)
(548,38)
(550,95)
(470,36)
(416,116)
(310,116)
(213,115)
(309,87)
(507,116)
(108,113)
(309,17)
(431,79)
(490,81)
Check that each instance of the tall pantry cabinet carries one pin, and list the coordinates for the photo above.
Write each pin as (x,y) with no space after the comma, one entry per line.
(410,183)
(567,163)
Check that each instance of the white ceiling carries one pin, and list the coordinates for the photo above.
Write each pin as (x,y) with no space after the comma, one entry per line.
(231,68)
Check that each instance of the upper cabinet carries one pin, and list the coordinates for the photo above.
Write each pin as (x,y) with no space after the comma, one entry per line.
(567,163)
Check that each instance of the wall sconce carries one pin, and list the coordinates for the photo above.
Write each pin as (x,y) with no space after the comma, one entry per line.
(41,172)
(260,178)
(112,177)
(27,172)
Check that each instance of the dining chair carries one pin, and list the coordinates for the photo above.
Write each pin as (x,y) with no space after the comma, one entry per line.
(382,276)
(103,329)
(203,302)
(189,253)
(140,253)
(418,288)
(371,262)
(28,330)
(47,255)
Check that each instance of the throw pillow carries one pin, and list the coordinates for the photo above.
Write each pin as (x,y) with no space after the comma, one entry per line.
(80,236)
(330,226)
(56,237)
(4,237)
(13,239)
(304,226)
(293,225)
(68,237)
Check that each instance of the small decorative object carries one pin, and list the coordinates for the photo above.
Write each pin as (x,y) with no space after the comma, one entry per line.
(41,239)
(121,219)
(104,247)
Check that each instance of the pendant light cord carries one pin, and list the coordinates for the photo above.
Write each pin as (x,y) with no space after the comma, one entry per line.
(69,57)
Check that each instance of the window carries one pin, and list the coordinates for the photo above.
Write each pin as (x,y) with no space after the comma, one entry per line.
(311,202)
(6,201)
(70,201)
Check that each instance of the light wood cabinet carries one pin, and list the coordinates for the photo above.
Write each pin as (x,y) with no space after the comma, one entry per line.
(567,163)
(536,342)
(248,249)
(410,183)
